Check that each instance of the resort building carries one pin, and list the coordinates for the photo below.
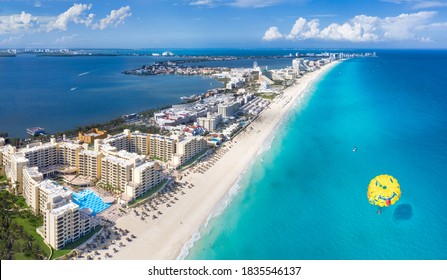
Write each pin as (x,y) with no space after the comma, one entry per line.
(210,122)
(31,184)
(119,141)
(144,178)
(68,154)
(139,143)
(116,172)
(89,164)
(228,109)
(161,147)
(14,171)
(92,135)
(63,225)
(187,148)
(41,155)
(6,154)
(52,195)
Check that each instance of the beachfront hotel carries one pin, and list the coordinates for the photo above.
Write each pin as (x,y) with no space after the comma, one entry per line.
(228,109)
(116,172)
(89,164)
(144,177)
(187,148)
(210,122)
(161,147)
(64,224)
(51,194)
(134,142)
(14,171)
(119,141)
(31,183)
(139,143)
(42,155)
(174,150)
(108,165)
(68,154)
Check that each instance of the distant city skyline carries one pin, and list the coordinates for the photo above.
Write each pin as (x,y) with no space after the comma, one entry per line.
(218,23)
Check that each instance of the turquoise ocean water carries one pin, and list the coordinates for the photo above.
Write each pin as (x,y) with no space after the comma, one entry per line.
(305,196)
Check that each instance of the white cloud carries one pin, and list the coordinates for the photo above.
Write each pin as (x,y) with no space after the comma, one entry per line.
(203,3)
(362,28)
(75,14)
(16,23)
(65,39)
(403,26)
(272,34)
(303,29)
(11,39)
(38,4)
(426,40)
(419,4)
(236,3)
(434,26)
(429,4)
(254,3)
(116,17)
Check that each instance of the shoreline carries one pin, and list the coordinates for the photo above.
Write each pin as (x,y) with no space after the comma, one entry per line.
(174,232)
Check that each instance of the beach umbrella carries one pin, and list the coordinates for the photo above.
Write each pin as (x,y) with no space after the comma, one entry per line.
(383,190)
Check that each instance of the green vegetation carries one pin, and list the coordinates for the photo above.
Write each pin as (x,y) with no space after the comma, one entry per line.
(18,236)
(71,246)
(110,188)
(148,193)
(3,179)
(157,158)
(266,95)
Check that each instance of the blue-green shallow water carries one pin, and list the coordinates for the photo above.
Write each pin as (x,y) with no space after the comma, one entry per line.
(305,197)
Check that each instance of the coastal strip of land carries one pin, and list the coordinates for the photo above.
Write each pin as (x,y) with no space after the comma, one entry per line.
(164,236)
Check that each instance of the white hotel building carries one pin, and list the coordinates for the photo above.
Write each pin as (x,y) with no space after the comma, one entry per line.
(31,184)
(63,222)
(188,148)
(162,147)
(89,164)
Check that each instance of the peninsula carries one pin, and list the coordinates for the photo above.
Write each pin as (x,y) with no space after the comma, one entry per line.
(155,191)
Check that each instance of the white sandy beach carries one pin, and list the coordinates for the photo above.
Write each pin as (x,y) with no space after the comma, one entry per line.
(165,236)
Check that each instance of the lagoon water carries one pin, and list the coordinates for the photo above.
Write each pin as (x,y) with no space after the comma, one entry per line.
(60,93)
(305,196)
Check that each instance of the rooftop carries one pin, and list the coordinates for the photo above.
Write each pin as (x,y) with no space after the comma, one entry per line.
(66,207)
(33,171)
(53,189)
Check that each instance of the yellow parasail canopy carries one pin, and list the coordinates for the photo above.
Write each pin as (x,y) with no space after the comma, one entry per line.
(383,190)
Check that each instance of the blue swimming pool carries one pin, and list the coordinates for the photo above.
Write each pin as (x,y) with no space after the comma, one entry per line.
(89,199)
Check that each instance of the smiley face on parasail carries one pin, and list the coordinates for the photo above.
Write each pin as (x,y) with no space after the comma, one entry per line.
(383,190)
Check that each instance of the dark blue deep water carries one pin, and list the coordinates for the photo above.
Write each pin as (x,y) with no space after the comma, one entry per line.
(60,93)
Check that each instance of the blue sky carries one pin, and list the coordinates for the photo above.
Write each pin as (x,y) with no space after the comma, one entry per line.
(219,23)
